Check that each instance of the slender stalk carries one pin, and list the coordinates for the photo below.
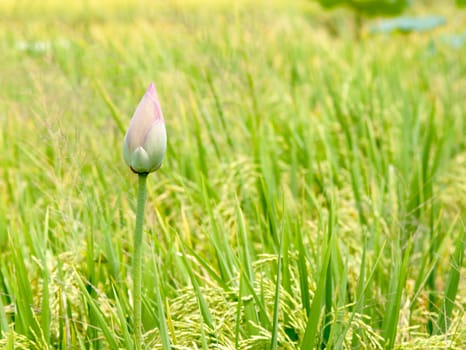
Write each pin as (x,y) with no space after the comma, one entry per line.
(137,258)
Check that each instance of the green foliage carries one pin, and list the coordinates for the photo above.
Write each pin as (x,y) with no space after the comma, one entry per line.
(370,7)
(313,193)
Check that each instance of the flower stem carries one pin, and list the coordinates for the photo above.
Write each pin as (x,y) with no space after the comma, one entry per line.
(137,258)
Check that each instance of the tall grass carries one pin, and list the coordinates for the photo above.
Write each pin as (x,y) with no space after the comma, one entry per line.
(313,193)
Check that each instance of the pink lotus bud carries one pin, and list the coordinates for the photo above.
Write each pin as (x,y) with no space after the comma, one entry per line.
(146,139)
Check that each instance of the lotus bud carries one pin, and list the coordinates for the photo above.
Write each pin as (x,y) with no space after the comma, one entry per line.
(146,139)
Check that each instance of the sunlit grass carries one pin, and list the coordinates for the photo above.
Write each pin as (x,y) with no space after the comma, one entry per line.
(333,166)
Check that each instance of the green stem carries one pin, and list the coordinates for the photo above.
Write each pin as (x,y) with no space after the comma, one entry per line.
(137,258)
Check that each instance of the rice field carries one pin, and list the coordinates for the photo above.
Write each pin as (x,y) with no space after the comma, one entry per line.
(313,192)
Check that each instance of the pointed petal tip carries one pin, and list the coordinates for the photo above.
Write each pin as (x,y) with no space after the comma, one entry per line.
(152,94)
(151,89)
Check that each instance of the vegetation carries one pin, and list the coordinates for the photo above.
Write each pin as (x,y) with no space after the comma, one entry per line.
(370,7)
(313,193)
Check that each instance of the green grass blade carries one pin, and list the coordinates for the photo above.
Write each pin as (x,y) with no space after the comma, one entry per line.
(99,317)
(392,311)
(303,274)
(276,306)
(203,306)
(310,333)
(114,111)
(162,320)
(122,312)
(451,287)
